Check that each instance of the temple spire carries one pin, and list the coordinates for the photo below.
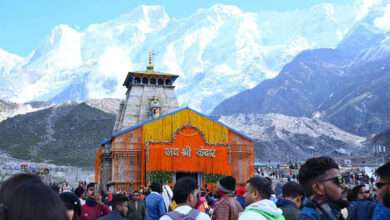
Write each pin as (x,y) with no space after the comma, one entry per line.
(150,66)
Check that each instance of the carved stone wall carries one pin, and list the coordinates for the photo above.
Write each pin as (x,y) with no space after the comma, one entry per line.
(137,105)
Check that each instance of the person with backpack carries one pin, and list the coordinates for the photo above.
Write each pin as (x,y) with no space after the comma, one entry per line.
(185,193)
(257,195)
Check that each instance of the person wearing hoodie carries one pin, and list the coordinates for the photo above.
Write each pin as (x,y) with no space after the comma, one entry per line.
(257,195)
(291,199)
(93,207)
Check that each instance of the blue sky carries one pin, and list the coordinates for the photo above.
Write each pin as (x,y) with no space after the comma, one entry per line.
(24,23)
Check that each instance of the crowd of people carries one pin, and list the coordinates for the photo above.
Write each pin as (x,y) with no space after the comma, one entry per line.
(319,194)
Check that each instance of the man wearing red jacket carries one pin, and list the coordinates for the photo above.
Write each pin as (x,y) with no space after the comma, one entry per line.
(93,207)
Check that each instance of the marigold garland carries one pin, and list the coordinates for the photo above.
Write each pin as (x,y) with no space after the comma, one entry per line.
(188,135)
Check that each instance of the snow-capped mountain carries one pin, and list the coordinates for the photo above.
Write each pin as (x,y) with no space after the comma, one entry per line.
(217,52)
(301,137)
(10,109)
(348,86)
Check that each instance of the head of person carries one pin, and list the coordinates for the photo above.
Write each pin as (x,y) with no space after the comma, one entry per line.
(91,190)
(361,192)
(383,183)
(294,192)
(350,195)
(136,195)
(257,188)
(79,191)
(91,194)
(185,192)
(156,187)
(320,177)
(119,203)
(226,185)
(278,190)
(72,205)
(25,196)
(240,192)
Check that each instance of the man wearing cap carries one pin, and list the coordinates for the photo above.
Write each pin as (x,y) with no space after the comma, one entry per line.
(227,207)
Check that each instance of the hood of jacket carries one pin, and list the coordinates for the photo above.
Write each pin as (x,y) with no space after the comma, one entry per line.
(267,206)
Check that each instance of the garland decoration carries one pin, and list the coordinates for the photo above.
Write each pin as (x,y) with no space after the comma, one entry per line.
(189,135)
(166,177)
(212,178)
(160,176)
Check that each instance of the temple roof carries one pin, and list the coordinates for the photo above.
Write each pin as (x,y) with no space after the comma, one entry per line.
(149,72)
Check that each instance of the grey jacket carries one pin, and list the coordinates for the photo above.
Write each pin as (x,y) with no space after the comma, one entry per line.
(138,213)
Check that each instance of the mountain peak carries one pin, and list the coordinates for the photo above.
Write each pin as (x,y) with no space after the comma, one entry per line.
(62,43)
(220,9)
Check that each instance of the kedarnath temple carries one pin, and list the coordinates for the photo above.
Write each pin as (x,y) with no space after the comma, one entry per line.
(154,140)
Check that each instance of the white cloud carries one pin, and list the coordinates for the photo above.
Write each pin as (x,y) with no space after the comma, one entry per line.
(384,21)
(363,7)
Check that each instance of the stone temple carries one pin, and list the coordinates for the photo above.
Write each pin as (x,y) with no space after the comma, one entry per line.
(149,95)
(153,140)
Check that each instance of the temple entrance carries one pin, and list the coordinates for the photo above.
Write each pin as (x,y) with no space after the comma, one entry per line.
(180,175)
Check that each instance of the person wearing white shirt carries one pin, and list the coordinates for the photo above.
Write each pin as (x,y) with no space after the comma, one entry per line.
(185,195)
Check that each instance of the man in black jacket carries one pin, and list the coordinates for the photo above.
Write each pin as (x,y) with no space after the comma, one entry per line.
(119,208)
(291,200)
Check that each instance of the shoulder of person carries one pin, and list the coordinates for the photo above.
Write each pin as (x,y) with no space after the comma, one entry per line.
(203,216)
(308,213)
(165,217)
(250,215)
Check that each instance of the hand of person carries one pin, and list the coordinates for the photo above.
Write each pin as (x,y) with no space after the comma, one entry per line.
(99,199)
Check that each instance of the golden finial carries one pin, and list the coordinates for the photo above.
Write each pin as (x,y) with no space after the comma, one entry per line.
(150,66)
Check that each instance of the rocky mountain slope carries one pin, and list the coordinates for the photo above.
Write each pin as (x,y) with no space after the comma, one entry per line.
(348,86)
(217,52)
(70,134)
(65,134)
(382,139)
(294,139)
